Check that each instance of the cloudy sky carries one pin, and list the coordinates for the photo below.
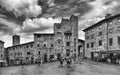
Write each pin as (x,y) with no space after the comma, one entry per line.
(25,17)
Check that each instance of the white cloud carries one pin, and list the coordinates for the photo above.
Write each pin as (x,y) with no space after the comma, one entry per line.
(29,8)
(38,22)
(81,35)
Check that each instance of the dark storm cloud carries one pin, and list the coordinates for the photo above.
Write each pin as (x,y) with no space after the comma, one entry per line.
(5,30)
(61,8)
(61,1)
(108,2)
(68,7)
(9,15)
(116,10)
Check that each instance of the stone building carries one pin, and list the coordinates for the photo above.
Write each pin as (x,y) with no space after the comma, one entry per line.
(62,42)
(22,53)
(103,38)
(44,46)
(2,54)
(66,37)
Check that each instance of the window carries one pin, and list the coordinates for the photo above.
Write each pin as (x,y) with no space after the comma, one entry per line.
(100,34)
(87,45)
(38,52)
(26,46)
(119,40)
(110,41)
(111,30)
(92,44)
(92,36)
(28,53)
(58,42)
(38,45)
(44,45)
(100,42)
(51,45)
(74,50)
(67,43)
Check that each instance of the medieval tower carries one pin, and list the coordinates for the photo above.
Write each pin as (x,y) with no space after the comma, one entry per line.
(16,40)
(66,35)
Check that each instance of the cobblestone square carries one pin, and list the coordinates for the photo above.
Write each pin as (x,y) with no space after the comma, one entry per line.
(86,68)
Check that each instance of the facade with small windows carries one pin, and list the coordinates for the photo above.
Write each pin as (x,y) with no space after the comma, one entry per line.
(44,46)
(103,37)
(20,54)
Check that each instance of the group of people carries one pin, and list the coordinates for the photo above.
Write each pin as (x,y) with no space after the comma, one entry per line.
(67,60)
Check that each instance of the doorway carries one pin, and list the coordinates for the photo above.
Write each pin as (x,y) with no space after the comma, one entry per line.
(45,57)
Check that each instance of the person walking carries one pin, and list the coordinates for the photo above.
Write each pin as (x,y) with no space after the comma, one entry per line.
(61,62)
(68,61)
(39,62)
